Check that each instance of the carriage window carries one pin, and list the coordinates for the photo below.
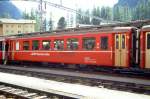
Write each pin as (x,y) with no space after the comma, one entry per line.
(17,45)
(1,46)
(148,41)
(46,45)
(58,45)
(123,41)
(26,45)
(117,42)
(35,45)
(89,43)
(104,43)
(72,44)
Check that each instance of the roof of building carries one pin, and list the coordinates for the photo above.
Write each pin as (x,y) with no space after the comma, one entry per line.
(16,21)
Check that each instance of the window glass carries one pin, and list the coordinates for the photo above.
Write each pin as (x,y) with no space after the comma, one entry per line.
(46,45)
(17,45)
(35,45)
(19,26)
(104,43)
(89,43)
(58,44)
(148,41)
(117,42)
(72,44)
(26,45)
(1,45)
(123,41)
(19,31)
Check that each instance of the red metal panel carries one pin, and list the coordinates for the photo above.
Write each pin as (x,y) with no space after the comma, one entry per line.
(142,49)
(97,56)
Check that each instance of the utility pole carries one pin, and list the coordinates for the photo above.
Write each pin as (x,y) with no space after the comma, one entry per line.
(60,2)
(42,15)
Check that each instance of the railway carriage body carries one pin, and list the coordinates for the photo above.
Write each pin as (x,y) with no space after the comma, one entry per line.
(145,47)
(111,48)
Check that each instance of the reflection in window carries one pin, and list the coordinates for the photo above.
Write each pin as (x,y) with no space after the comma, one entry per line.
(89,43)
(26,45)
(58,45)
(148,41)
(35,45)
(72,44)
(46,45)
(123,41)
(117,42)
(17,45)
(104,43)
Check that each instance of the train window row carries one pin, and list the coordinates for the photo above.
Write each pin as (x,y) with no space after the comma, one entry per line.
(88,43)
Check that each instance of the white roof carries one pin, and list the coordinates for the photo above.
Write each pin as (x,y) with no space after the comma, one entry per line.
(146,26)
(127,28)
(16,21)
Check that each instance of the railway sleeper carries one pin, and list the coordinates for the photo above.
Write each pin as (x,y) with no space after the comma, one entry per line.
(11,91)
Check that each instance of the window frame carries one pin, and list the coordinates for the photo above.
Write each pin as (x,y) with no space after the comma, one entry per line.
(69,40)
(83,44)
(24,46)
(49,45)
(59,49)
(104,46)
(38,44)
(148,43)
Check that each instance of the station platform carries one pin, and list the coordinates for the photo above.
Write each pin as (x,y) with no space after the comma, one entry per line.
(66,89)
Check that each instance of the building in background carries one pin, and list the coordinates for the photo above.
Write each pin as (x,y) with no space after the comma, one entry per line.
(13,26)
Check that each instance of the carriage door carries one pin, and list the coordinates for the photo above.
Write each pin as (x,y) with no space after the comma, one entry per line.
(147,54)
(12,49)
(120,50)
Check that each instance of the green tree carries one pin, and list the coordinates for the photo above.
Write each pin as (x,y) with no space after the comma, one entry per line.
(127,13)
(106,13)
(25,15)
(96,12)
(116,14)
(87,17)
(79,17)
(142,10)
(61,23)
(50,24)
(33,15)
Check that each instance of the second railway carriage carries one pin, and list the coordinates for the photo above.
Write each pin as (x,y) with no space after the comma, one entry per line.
(145,47)
(112,47)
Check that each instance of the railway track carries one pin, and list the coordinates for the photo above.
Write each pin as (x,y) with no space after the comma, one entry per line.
(16,92)
(135,85)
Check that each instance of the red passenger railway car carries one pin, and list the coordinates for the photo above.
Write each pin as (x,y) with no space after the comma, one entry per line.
(145,47)
(112,47)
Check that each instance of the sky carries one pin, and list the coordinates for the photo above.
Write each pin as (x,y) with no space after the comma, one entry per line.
(56,13)
(84,4)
